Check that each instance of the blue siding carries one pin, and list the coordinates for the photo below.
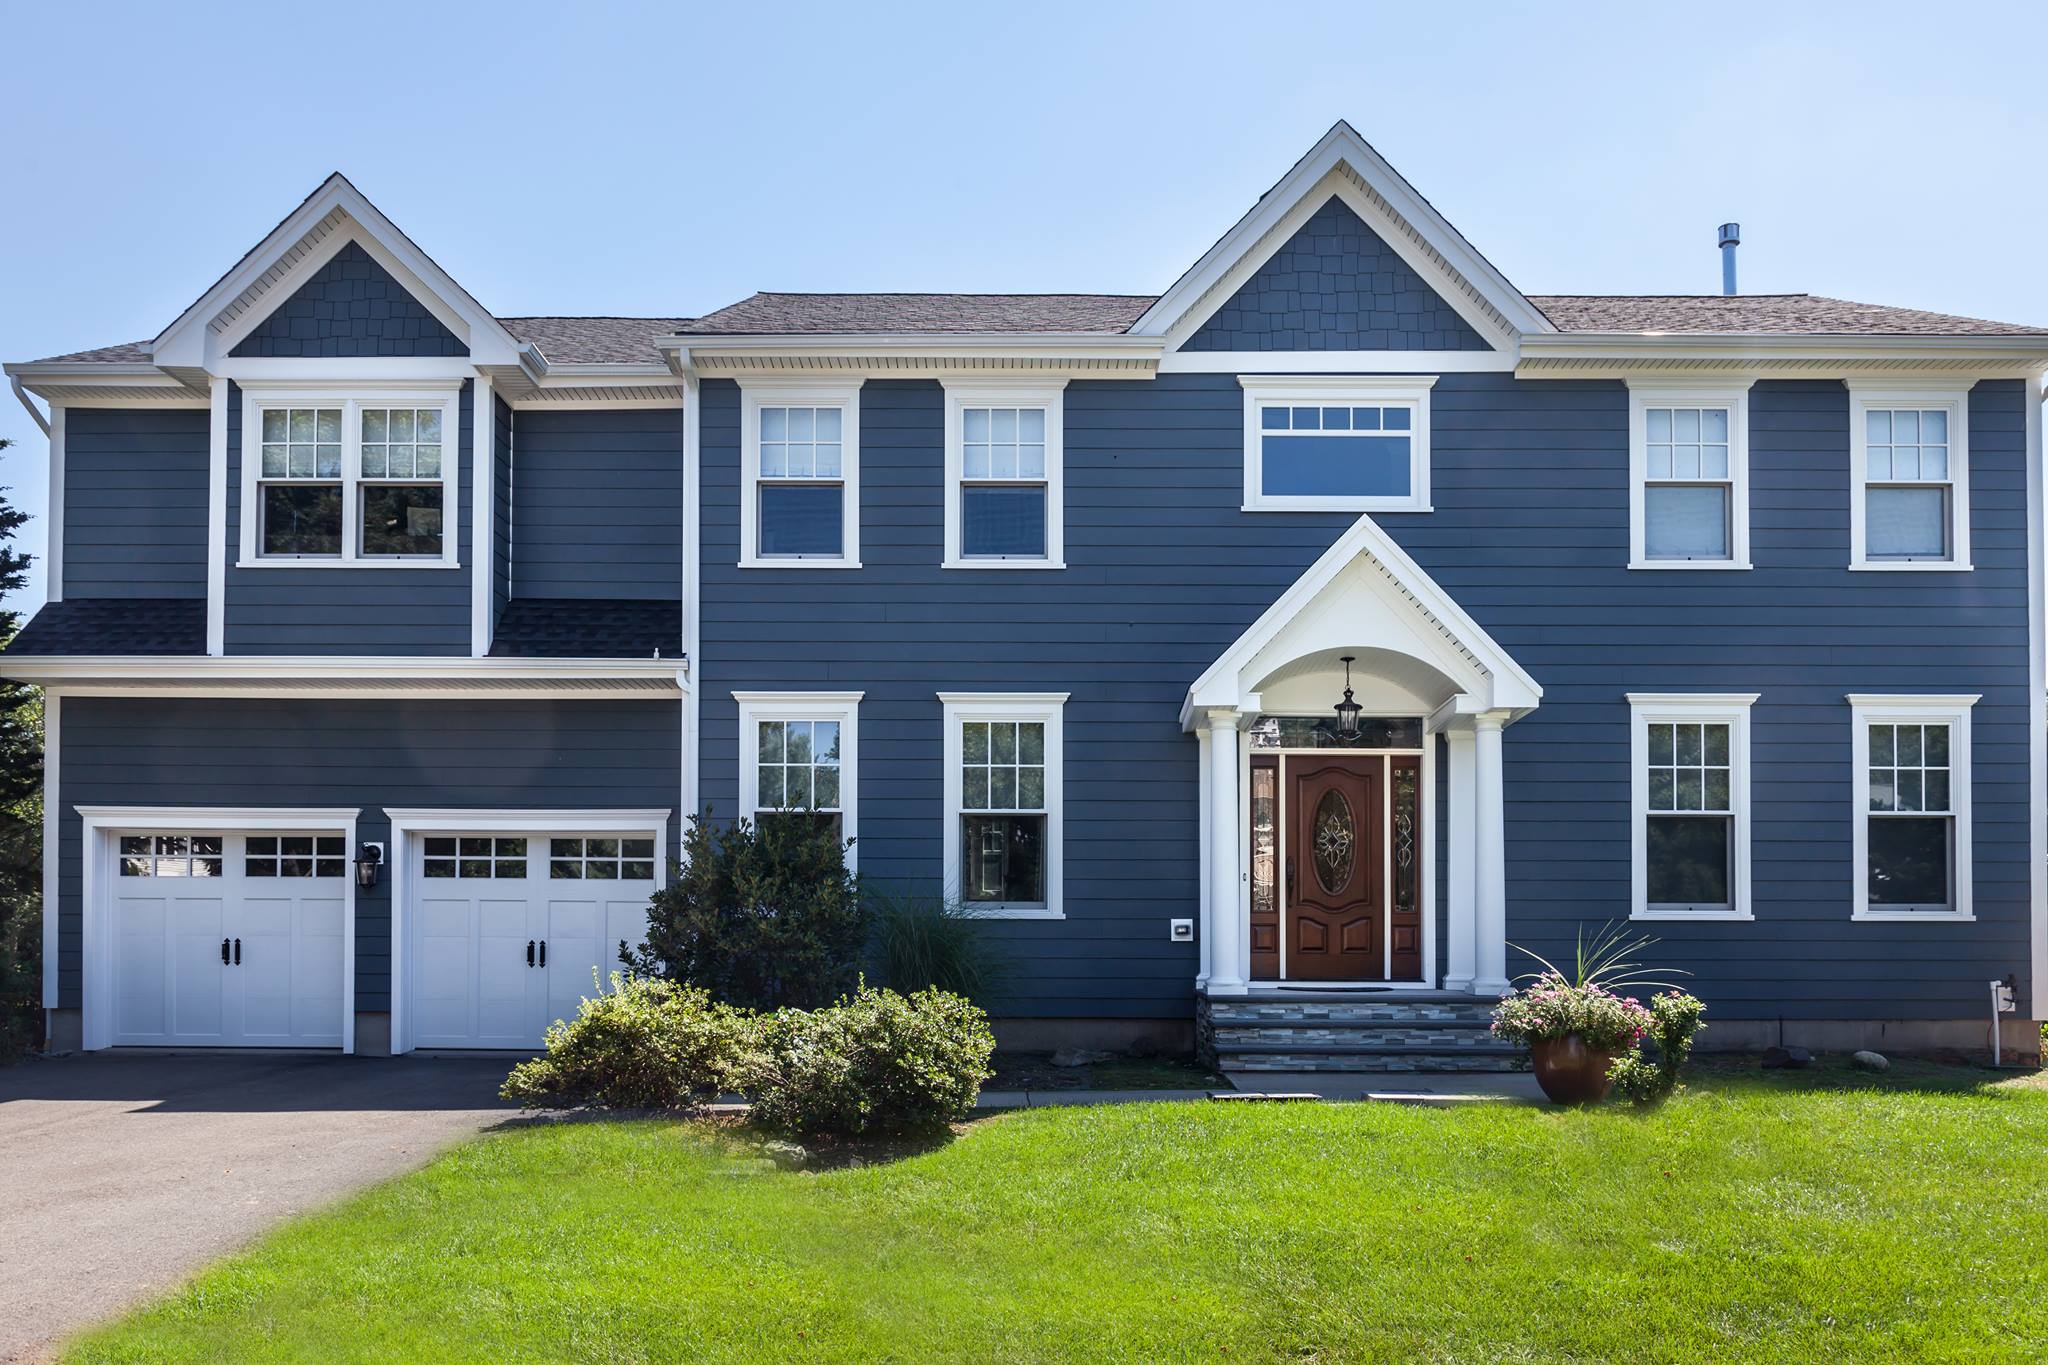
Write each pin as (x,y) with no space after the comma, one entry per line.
(598,504)
(504,438)
(349,611)
(135,502)
(351,307)
(370,754)
(1336,286)
(1531,536)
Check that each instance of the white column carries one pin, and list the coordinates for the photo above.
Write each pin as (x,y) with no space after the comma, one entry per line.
(1490,860)
(1227,928)
(1460,847)
(1207,838)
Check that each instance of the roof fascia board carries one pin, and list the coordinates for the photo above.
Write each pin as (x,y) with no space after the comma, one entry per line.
(1341,146)
(284,668)
(973,344)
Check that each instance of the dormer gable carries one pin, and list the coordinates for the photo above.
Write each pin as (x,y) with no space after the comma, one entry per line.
(351,306)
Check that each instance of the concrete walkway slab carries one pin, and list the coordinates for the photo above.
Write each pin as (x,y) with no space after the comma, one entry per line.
(126,1172)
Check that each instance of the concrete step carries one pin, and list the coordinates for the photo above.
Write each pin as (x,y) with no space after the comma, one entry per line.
(1428,1035)
(1368,1060)
(1267,1013)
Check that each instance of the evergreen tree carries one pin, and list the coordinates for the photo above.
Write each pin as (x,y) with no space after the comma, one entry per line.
(21,821)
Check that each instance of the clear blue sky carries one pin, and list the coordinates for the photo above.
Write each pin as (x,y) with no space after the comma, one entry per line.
(668,159)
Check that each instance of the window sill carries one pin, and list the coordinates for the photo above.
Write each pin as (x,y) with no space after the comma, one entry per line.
(1711,916)
(1010,912)
(1911,566)
(799,563)
(1002,564)
(1692,564)
(1336,505)
(1912,917)
(311,562)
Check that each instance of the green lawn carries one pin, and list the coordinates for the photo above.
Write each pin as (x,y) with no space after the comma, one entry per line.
(1818,1217)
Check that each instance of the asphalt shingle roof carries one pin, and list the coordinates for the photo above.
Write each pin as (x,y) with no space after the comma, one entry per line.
(1781,314)
(938,314)
(588,628)
(594,341)
(115,626)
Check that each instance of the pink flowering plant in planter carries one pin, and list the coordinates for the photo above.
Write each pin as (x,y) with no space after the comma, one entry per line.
(1575,1024)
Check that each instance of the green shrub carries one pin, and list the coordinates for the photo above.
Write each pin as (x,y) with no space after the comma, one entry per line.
(762,916)
(875,1064)
(1675,1020)
(923,940)
(644,1044)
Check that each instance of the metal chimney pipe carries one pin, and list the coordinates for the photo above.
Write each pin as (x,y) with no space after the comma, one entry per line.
(1731,237)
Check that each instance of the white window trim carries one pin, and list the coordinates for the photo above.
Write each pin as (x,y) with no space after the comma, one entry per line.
(1047,708)
(352,399)
(1955,398)
(843,707)
(1715,708)
(1032,393)
(813,393)
(1868,708)
(1265,388)
(1668,395)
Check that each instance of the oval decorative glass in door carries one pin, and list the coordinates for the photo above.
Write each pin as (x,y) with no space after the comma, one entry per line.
(1336,842)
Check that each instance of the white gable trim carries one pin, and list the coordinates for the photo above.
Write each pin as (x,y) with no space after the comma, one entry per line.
(1343,163)
(307,239)
(1464,651)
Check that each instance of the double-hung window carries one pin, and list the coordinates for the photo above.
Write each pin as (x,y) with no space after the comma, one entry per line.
(1688,478)
(800,451)
(1911,806)
(1004,476)
(1909,459)
(1004,802)
(355,479)
(1314,444)
(799,756)
(1690,806)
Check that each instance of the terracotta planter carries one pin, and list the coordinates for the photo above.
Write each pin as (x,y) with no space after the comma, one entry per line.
(1569,1071)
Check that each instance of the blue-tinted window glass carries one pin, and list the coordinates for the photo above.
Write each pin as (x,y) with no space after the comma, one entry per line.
(1336,466)
(1002,520)
(1273,419)
(1397,419)
(1308,419)
(800,519)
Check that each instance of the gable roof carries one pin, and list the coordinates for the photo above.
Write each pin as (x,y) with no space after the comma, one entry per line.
(767,314)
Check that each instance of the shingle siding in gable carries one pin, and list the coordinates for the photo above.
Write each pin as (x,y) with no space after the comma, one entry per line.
(1530,535)
(135,502)
(1336,286)
(351,307)
(598,503)
(335,610)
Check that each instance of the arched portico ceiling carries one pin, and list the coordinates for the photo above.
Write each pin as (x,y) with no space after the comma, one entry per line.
(1366,593)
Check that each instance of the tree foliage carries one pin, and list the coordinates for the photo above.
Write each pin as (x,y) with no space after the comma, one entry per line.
(21,821)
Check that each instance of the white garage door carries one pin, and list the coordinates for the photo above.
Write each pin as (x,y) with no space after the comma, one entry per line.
(510,932)
(229,940)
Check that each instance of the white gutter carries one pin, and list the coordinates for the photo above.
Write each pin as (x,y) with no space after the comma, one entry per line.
(22,394)
(333,670)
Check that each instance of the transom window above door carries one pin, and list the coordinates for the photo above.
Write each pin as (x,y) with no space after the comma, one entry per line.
(1688,478)
(800,452)
(1314,445)
(358,480)
(1909,457)
(1004,476)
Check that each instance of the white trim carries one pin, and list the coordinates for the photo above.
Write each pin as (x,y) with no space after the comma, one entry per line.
(1952,397)
(1712,708)
(1669,393)
(821,393)
(1033,393)
(1339,362)
(693,579)
(53,525)
(482,544)
(406,822)
(1047,708)
(1461,901)
(412,677)
(96,930)
(2037,710)
(842,707)
(53,853)
(1278,389)
(1954,710)
(217,519)
(351,400)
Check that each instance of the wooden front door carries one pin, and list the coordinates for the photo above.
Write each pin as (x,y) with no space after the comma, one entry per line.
(1336,870)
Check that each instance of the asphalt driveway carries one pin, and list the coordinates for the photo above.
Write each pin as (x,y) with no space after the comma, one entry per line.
(120,1174)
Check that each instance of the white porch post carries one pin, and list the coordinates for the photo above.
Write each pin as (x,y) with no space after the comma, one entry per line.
(1460,847)
(1226,929)
(1490,860)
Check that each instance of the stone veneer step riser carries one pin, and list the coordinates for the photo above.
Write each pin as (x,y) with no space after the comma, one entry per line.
(1228,1013)
(1373,1062)
(1233,1037)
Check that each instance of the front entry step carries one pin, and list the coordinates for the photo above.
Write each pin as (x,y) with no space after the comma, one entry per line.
(1333,1033)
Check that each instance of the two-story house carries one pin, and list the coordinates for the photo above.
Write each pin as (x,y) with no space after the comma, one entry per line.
(1277,650)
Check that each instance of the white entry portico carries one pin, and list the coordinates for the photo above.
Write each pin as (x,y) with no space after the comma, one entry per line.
(1417,654)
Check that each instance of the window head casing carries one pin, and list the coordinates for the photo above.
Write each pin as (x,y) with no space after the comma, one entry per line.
(1689,805)
(1910,804)
(1005,802)
(1909,476)
(1320,443)
(1688,477)
(1005,475)
(800,474)
(800,752)
(361,478)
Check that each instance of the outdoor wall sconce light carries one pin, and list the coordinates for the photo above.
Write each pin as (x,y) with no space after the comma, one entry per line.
(369,862)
